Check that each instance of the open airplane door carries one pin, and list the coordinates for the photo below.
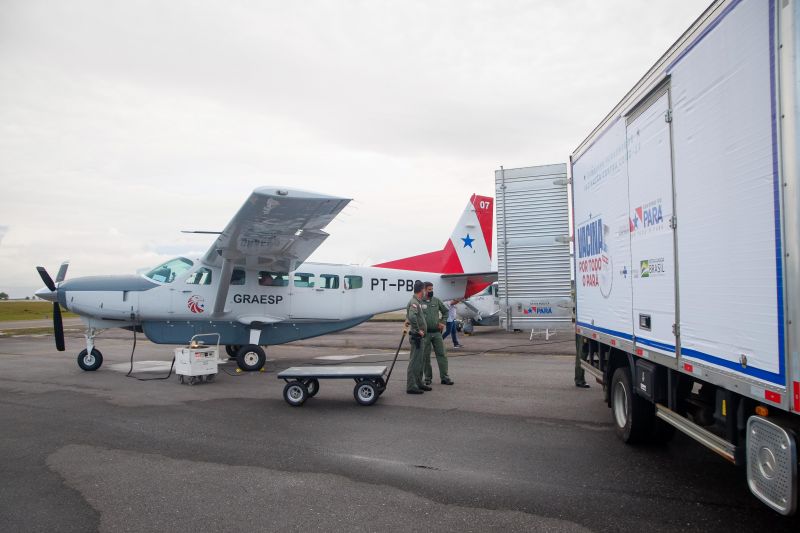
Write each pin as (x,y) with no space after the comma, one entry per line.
(533,252)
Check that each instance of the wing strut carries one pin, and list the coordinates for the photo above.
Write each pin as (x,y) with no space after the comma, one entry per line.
(224,285)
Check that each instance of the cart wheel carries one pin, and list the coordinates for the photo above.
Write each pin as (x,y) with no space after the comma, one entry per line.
(193,380)
(180,379)
(380,385)
(312,386)
(366,393)
(210,378)
(295,393)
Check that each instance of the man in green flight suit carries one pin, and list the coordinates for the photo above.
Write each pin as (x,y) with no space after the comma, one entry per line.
(417,332)
(435,317)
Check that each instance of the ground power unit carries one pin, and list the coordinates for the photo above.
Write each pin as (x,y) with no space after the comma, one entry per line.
(196,363)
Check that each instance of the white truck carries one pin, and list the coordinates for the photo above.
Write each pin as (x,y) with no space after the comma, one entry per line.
(686,206)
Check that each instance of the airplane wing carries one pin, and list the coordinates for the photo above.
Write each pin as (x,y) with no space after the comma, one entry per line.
(276,229)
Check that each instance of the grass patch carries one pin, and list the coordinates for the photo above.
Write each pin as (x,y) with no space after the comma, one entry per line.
(28,310)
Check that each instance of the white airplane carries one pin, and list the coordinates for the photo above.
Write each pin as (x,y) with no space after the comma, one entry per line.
(254,289)
(482,309)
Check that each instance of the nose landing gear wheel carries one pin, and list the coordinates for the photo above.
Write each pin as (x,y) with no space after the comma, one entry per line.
(90,361)
(295,393)
(251,358)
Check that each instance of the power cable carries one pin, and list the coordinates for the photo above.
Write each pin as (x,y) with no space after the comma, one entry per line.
(130,370)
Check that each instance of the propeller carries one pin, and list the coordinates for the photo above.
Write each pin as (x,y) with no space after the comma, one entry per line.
(58,324)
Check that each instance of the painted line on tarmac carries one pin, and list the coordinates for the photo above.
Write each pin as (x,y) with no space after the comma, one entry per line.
(142,366)
(343,357)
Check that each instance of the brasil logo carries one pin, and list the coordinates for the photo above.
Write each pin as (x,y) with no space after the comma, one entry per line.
(645,268)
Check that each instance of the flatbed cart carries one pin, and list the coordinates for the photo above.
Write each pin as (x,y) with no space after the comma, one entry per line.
(302,382)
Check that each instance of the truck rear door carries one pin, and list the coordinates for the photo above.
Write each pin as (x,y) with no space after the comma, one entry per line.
(651,210)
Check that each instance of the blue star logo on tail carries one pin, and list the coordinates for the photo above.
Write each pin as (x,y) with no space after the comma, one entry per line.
(467,241)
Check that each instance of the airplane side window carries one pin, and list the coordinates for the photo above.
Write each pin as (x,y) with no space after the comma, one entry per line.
(237,277)
(329,281)
(273,279)
(302,279)
(353,282)
(200,277)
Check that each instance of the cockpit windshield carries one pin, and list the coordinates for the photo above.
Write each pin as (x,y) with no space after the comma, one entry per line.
(167,272)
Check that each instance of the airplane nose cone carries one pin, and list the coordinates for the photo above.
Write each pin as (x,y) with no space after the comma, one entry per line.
(46,294)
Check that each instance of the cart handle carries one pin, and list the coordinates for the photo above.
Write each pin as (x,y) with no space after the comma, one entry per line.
(206,335)
(406,327)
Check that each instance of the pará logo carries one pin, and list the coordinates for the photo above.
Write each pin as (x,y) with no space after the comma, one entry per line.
(534,310)
(646,216)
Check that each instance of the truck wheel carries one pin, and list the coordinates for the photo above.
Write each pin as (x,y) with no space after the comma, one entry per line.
(90,362)
(366,393)
(295,393)
(633,415)
(251,358)
(312,386)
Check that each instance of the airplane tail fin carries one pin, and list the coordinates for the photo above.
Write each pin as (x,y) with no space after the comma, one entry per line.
(469,248)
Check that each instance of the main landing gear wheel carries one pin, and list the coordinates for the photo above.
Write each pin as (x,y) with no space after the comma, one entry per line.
(251,358)
(312,386)
(295,393)
(90,361)
(232,349)
(366,393)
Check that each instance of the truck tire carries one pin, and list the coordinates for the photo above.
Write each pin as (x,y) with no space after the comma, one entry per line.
(633,415)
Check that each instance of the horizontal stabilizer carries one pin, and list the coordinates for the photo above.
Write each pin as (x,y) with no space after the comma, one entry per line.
(476,282)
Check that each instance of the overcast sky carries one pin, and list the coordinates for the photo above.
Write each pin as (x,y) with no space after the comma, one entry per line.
(124,122)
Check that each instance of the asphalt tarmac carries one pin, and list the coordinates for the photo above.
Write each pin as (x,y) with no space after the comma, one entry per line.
(512,446)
